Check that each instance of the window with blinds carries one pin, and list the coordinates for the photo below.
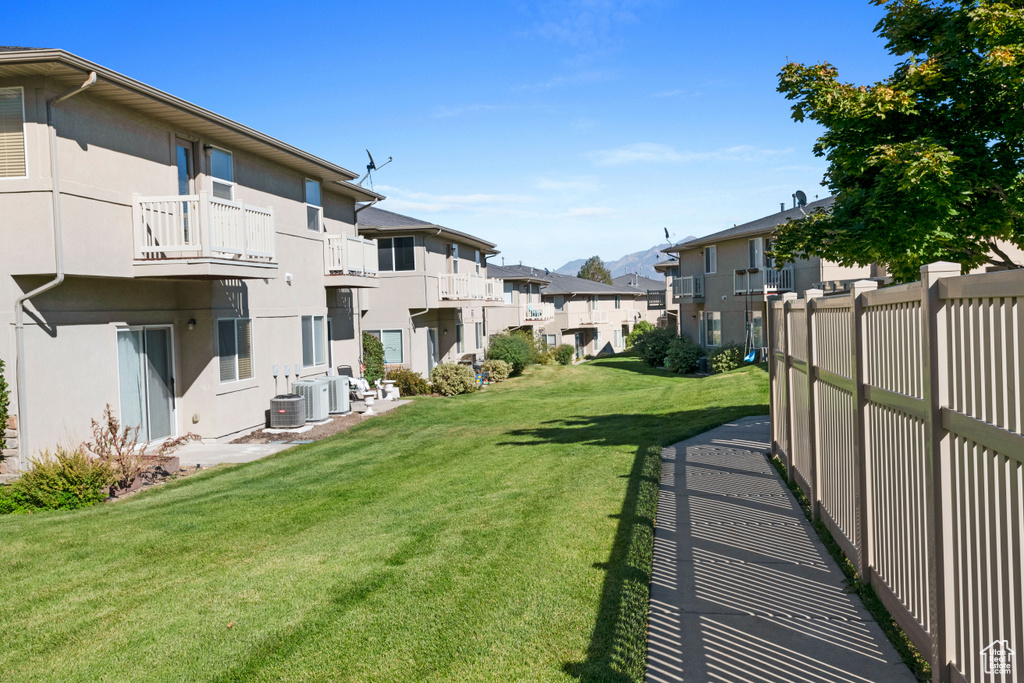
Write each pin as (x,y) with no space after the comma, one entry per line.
(12,133)
(234,341)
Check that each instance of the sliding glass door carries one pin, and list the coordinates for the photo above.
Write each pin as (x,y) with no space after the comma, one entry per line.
(146,381)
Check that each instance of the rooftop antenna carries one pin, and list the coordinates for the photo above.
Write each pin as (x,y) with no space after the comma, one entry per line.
(370,167)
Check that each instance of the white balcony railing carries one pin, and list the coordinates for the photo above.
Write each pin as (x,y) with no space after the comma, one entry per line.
(201,226)
(350,255)
(691,285)
(458,287)
(541,311)
(763,281)
(590,318)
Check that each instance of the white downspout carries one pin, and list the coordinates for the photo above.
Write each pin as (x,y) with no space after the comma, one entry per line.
(58,249)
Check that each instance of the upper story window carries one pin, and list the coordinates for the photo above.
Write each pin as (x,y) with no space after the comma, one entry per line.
(559,303)
(618,302)
(769,262)
(222,169)
(396,253)
(755,253)
(12,133)
(453,253)
(711,259)
(314,207)
(478,262)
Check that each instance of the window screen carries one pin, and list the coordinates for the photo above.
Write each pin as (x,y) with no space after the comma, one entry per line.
(12,133)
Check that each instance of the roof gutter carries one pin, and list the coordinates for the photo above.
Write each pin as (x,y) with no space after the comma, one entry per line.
(58,254)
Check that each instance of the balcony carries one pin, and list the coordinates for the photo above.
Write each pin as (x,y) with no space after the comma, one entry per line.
(761,281)
(457,287)
(350,261)
(538,312)
(199,236)
(655,299)
(690,286)
(586,319)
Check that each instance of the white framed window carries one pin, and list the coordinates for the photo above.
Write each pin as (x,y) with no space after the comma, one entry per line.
(478,263)
(507,288)
(455,258)
(755,253)
(391,340)
(234,348)
(396,254)
(12,133)
(460,342)
(549,339)
(711,328)
(617,338)
(479,335)
(313,341)
(593,302)
(222,171)
(710,260)
(618,302)
(314,206)
(597,340)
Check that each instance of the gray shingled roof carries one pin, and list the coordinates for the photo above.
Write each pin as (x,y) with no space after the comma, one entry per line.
(518,272)
(372,218)
(642,283)
(761,225)
(569,284)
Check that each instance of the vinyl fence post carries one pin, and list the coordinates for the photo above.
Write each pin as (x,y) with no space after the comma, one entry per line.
(786,367)
(813,482)
(938,513)
(773,375)
(858,349)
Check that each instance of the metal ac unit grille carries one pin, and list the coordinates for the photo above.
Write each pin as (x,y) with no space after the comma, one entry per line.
(287,411)
(337,393)
(317,398)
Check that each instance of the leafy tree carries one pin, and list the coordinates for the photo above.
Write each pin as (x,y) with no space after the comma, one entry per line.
(594,269)
(927,164)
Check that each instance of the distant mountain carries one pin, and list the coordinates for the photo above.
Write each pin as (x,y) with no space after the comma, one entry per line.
(641,262)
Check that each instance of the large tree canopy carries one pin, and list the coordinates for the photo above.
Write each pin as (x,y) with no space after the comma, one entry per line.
(926,165)
(594,269)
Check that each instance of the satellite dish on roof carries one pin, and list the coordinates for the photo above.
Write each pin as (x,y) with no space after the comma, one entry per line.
(801,198)
(372,166)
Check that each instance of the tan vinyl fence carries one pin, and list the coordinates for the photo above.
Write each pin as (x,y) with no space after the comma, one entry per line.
(900,413)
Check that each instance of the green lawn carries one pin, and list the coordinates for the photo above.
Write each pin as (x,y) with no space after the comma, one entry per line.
(503,535)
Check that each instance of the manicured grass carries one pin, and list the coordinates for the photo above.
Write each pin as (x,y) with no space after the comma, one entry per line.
(504,535)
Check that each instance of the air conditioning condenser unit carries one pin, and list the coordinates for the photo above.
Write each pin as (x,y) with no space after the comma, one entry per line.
(337,393)
(317,397)
(287,411)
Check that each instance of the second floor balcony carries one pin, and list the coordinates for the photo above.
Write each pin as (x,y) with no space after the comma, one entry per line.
(538,311)
(691,286)
(763,281)
(577,319)
(469,287)
(655,299)
(202,236)
(350,261)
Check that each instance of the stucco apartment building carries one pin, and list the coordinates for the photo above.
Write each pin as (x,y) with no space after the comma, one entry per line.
(172,263)
(725,279)
(670,313)
(436,300)
(591,316)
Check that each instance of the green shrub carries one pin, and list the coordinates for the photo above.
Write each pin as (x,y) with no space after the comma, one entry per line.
(727,358)
(683,355)
(64,480)
(497,369)
(517,349)
(373,358)
(5,402)
(565,354)
(449,379)
(409,383)
(638,329)
(653,344)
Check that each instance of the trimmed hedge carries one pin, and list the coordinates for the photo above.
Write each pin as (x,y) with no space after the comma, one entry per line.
(683,355)
(517,349)
(449,379)
(409,383)
(497,369)
(565,354)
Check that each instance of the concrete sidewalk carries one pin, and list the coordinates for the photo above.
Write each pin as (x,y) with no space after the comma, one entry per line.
(742,589)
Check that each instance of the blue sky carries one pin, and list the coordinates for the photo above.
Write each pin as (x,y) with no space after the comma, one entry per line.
(557,130)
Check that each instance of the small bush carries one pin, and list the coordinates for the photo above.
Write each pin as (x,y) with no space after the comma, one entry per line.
(683,355)
(373,358)
(638,329)
(497,369)
(63,480)
(565,354)
(727,358)
(652,345)
(409,383)
(516,348)
(449,379)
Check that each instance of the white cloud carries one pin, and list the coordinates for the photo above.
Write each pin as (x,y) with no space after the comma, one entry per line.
(584,22)
(650,152)
(669,93)
(580,184)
